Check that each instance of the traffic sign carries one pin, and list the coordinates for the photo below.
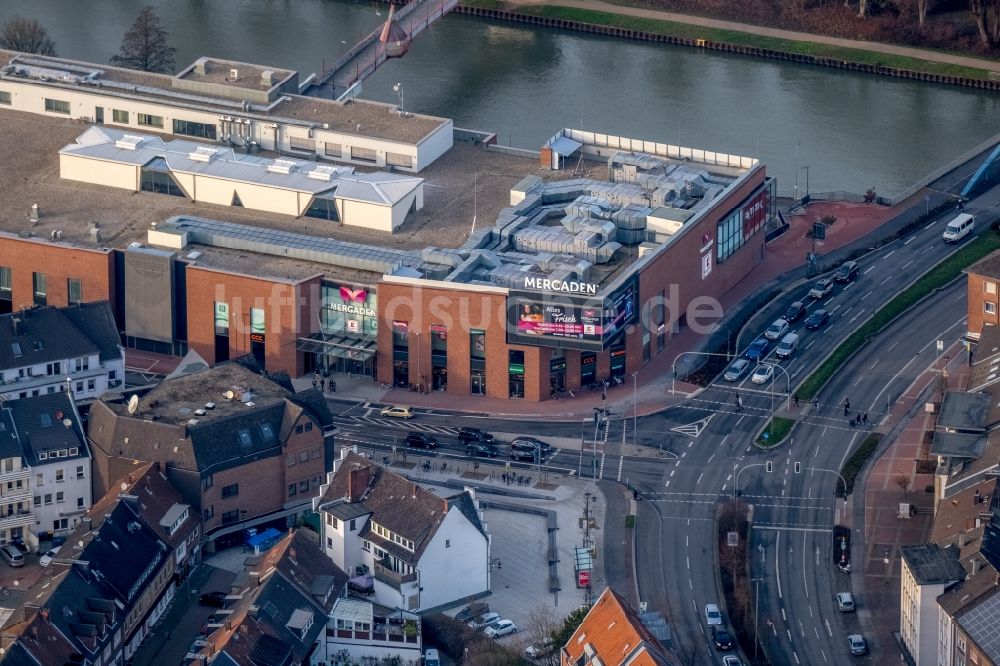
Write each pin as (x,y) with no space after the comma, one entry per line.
(583,578)
(940,345)
(819,231)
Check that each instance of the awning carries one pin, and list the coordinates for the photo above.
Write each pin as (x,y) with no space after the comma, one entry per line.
(565,146)
(338,346)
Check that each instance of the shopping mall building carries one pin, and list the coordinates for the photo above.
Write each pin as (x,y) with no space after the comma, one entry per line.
(293,252)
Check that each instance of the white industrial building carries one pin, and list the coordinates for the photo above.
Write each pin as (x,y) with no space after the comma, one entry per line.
(236,104)
(218,175)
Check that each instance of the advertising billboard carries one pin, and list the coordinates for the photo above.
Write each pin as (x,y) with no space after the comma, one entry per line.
(569,322)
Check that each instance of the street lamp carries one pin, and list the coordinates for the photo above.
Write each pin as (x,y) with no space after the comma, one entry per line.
(635,408)
(830,471)
(399,89)
(736,482)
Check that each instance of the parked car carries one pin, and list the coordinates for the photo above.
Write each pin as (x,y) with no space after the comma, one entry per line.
(466,435)
(817,319)
(472,611)
(763,374)
(500,628)
(12,555)
(777,329)
(397,411)
(847,271)
(736,371)
(821,289)
(857,644)
(420,440)
(525,452)
(531,443)
(49,555)
(721,638)
(712,615)
(845,602)
(484,620)
(731,660)
(431,657)
(538,651)
(481,450)
(758,349)
(215,599)
(794,311)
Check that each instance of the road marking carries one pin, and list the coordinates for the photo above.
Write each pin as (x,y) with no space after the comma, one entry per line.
(687,541)
(888,254)
(828,630)
(690,585)
(811,615)
(710,457)
(823,652)
(779,529)
(783,615)
(688,561)
(906,264)
(909,240)
(859,380)
(849,285)
(808,346)
(848,310)
(930,225)
(834,309)
(802,629)
(698,482)
(815,628)
(869,270)
(872,366)
(805,581)
(693,429)
(893,345)
(796,655)
(668,484)
(672,472)
(926,249)
(777,571)
(789,632)
(867,294)
(885,280)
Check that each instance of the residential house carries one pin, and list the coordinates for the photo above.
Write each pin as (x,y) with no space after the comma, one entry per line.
(423,551)
(280,608)
(928,570)
(613,634)
(243,449)
(45,349)
(54,449)
(982,297)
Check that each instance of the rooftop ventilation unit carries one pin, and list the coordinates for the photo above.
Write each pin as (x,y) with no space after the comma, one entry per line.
(281,166)
(203,154)
(267,78)
(234,75)
(326,173)
(129,142)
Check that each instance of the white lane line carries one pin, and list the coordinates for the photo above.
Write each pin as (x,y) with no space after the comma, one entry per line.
(909,240)
(823,652)
(903,267)
(698,482)
(710,457)
(816,629)
(859,380)
(885,280)
(893,345)
(783,617)
(869,270)
(867,294)
(777,571)
(687,541)
(828,630)
(811,615)
(809,345)
(888,254)
(688,558)
(849,285)
(872,366)
(848,310)
(668,484)
(789,632)
(805,580)
(834,309)
(796,655)
(930,225)
(695,606)
(690,585)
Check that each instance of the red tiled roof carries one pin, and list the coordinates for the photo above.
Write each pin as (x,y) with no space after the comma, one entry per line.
(616,635)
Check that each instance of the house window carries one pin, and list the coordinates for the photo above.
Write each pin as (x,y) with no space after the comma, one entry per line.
(74,451)
(48,499)
(5,97)
(79,502)
(333,522)
(60,524)
(304,486)
(38,500)
(91,384)
(292,490)
(79,387)
(332,149)
(5,283)
(206,483)
(39,479)
(74,289)
(60,497)
(38,285)
(82,363)
(352,524)
(989,308)
(60,476)
(299,143)
(56,106)
(200,130)
(298,429)
(447,543)
(148,120)
(156,177)
(120,117)
(990,287)
(232,490)
(309,426)
(363,154)
(399,159)
(230,516)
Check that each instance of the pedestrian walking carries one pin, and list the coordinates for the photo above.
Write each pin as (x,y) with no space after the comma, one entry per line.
(864,419)
(315,383)
(815,403)
(852,421)
(796,397)
(333,386)
(503,477)
(322,385)
(858,418)
(847,409)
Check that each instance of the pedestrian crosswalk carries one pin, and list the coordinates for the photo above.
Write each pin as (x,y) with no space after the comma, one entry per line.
(350,422)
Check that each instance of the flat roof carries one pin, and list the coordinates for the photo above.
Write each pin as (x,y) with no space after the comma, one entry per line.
(249,76)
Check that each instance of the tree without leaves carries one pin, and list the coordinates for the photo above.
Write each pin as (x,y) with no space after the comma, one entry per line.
(144,46)
(980,12)
(27,36)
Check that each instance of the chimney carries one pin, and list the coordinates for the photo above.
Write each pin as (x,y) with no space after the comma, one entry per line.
(975,564)
(357,483)
(89,523)
(291,554)
(254,579)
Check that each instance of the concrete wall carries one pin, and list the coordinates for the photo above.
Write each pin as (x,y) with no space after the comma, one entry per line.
(455,564)
(369,216)
(98,172)
(435,145)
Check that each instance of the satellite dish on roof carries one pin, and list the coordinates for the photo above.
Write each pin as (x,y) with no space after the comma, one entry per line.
(133,404)
(67,423)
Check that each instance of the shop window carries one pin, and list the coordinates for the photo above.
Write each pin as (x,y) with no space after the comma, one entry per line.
(439,357)
(363,154)
(200,130)
(120,117)
(515,373)
(148,120)
(56,106)
(477,361)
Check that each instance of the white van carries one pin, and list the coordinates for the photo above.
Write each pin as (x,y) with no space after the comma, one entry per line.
(787,346)
(959,228)
(431,657)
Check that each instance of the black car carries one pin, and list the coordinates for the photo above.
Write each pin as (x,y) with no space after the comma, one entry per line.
(794,311)
(527,455)
(213,599)
(466,435)
(530,444)
(481,450)
(847,271)
(420,440)
(817,319)
(721,638)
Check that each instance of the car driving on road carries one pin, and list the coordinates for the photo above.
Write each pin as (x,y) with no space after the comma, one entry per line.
(758,349)
(821,289)
(397,411)
(777,329)
(481,450)
(712,615)
(531,443)
(721,638)
(847,271)
(736,371)
(420,440)
(794,311)
(526,448)
(763,373)
(857,645)
(845,602)
(466,435)
(817,319)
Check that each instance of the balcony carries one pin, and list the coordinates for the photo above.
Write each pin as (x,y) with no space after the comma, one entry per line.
(17,520)
(16,495)
(390,577)
(22,474)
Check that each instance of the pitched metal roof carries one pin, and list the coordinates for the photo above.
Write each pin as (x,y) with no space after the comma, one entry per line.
(958,444)
(41,427)
(97,321)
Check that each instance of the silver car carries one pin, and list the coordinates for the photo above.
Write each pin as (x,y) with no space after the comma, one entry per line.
(736,371)
(776,330)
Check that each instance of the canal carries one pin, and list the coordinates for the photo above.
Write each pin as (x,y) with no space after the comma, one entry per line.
(853,131)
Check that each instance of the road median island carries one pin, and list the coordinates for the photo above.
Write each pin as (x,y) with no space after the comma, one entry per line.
(852,466)
(936,278)
(774,432)
(734,518)
(735,41)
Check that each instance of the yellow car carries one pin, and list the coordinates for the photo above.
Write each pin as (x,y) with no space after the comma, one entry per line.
(397,411)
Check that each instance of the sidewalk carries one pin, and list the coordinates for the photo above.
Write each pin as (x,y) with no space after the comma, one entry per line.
(885,531)
(890,49)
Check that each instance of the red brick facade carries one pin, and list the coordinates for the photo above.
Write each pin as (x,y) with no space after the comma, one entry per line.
(983,302)
(95,268)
